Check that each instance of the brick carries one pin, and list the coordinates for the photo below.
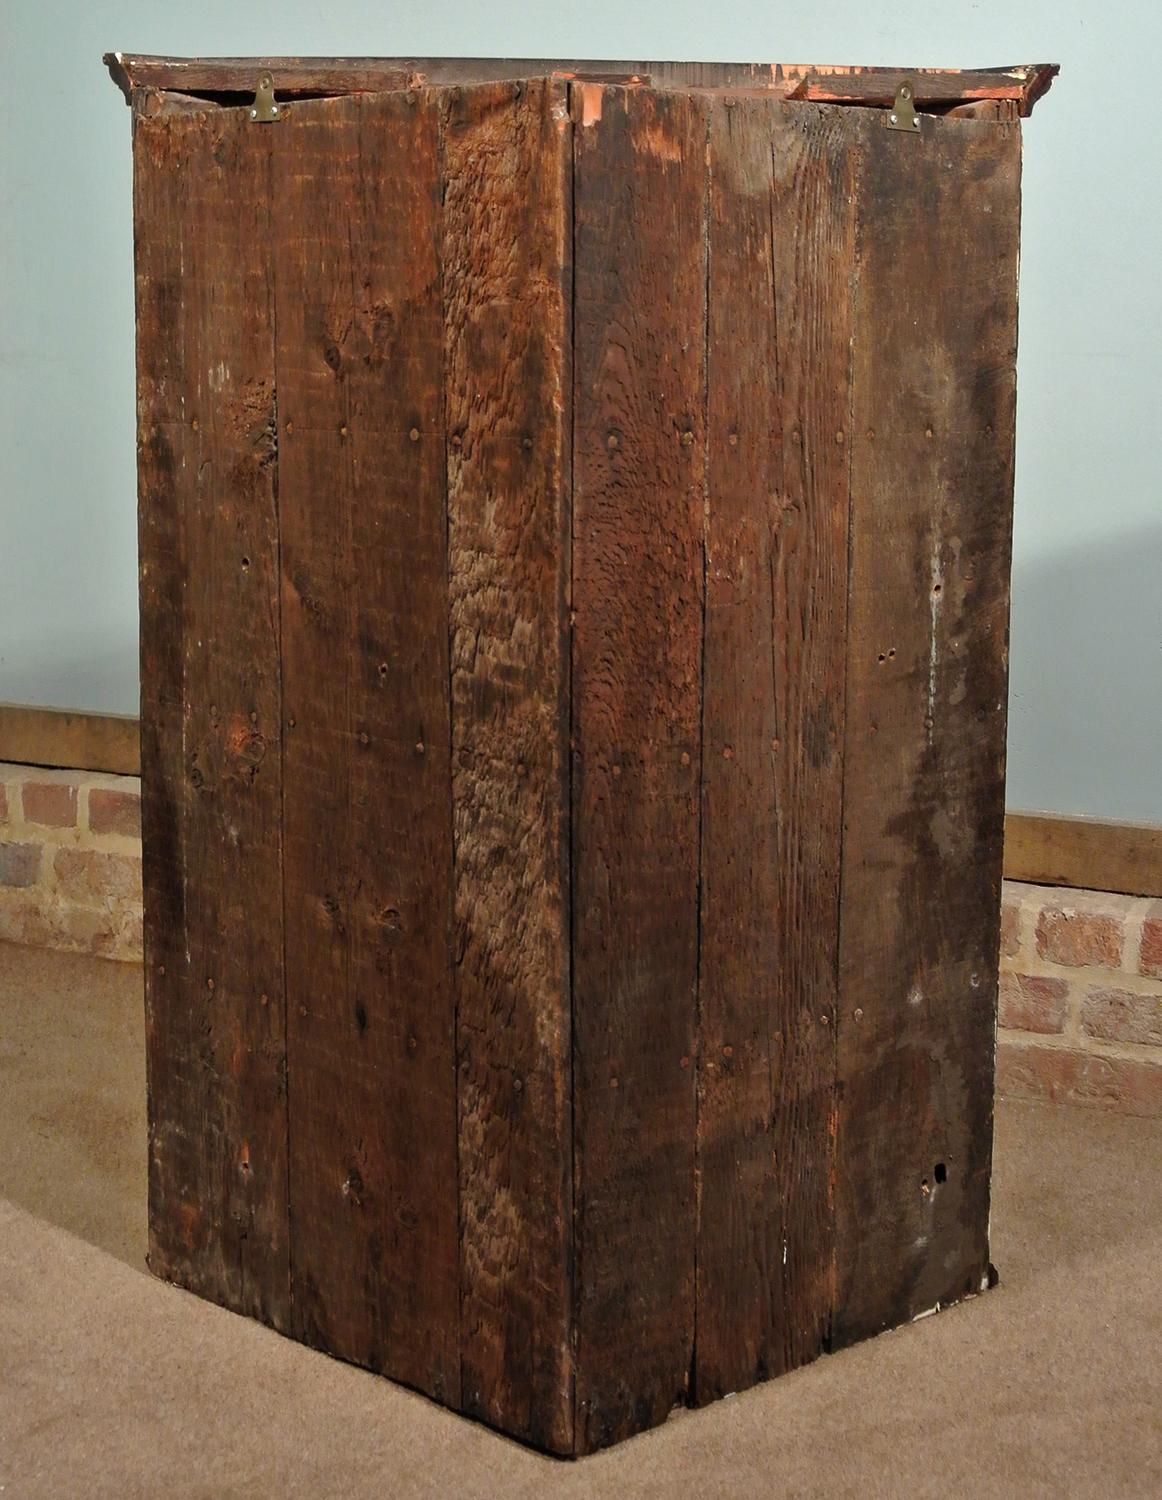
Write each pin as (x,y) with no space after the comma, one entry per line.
(19,864)
(94,877)
(1031,1002)
(120,938)
(22,921)
(1010,927)
(130,941)
(1150,957)
(1079,938)
(52,804)
(1060,1075)
(35,924)
(113,811)
(1121,1016)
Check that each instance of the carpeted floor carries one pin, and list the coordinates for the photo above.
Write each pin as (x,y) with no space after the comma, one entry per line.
(112,1384)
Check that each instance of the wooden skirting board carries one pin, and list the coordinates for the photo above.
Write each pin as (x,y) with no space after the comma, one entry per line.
(1050,850)
(70,739)
(1042,848)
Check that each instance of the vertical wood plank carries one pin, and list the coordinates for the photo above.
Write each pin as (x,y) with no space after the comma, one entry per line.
(782,258)
(211,783)
(639,423)
(934,389)
(507,275)
(368,831)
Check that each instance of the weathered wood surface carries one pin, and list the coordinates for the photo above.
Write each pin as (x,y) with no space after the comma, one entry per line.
(368,865)
(1084,852)
(782,267)
(212,789)
(931,87)
(306,75)
(623,476)
(507,247)
(639,457)
(71,738)
(932,451)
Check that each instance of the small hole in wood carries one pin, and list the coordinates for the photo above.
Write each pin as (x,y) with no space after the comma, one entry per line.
(245,564)
(940,1172)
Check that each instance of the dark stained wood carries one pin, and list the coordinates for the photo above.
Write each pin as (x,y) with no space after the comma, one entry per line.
(508,282)
(782,261)
(1048,850)
(931,87)
(70,737)
(368,867)
(338,75)
(211,784)
(639,455)
(932,478)
(987,109)
(575,535)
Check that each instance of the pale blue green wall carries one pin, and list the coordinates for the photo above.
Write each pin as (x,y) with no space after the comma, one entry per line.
(1086,726)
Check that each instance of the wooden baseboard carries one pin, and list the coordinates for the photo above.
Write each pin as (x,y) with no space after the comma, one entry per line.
(70,739)
(1047,849)
(1041,848)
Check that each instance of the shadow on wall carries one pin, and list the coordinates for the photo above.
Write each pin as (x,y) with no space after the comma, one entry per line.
(1086,680)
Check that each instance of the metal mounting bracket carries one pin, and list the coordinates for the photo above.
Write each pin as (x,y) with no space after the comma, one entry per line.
(902,115)
(264,111)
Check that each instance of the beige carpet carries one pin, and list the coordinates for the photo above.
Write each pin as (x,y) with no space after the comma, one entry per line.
(112,1384)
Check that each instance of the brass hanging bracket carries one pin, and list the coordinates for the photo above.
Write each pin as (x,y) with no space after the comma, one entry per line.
(264,111)
(902,115)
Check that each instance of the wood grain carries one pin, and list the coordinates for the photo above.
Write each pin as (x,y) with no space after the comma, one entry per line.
(368,829)
(932,478)
(211,784)
(71,738)
(575,536)
(1084,852)
(337,75)
(508,279)
(639,460)
(782,260)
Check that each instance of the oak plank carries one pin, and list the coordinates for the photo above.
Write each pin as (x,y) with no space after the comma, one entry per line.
(933,406)
(639,456)
(507,250)
(71,738)
(1057,850)
(782,256)
(368,832)
(211,778)
(307,75)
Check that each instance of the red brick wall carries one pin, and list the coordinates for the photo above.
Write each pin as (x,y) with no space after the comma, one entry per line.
(1081,999)
(70,861)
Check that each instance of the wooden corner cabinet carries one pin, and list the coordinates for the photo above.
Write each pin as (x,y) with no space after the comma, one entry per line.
(575,514)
